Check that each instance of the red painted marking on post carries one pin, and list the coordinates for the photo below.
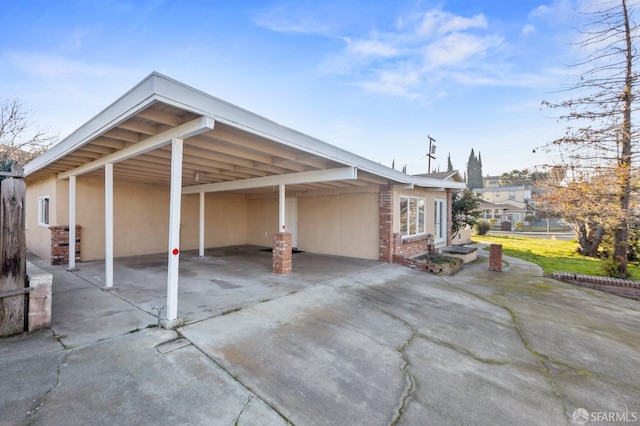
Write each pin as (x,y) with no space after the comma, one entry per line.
(175,251)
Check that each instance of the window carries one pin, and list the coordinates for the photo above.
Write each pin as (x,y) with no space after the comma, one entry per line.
(497,194)
(412,216)
(440,229)
(512,195)
(43,211)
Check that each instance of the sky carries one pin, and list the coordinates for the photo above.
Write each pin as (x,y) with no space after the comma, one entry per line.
(376,78)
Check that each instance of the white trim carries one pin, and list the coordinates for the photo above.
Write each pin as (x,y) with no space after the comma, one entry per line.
(201,224)
(44,209)
(174,229)
(108,225)
(327,175)
(417,216)
(72,222)
(282,216)
(440,218)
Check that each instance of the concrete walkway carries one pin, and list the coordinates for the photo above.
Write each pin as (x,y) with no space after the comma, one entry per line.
(376,344)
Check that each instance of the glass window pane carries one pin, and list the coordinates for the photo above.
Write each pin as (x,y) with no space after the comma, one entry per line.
(413,216)
(403,216)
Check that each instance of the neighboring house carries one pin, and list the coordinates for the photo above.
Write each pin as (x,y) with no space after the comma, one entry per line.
(167,168)
(491,181)
(504,203)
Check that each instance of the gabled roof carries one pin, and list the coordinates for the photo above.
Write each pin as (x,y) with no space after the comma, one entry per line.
(222,143)
(452,175)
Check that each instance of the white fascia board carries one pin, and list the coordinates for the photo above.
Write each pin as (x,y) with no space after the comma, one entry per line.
(437,183)
(128,105)
(183,131)
(342,173)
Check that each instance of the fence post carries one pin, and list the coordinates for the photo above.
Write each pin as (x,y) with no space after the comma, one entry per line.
(12,256)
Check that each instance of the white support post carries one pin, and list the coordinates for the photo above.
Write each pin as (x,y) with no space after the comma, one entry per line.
(174,231)
(108,225)
(72,223)
(281,208)
(201,227)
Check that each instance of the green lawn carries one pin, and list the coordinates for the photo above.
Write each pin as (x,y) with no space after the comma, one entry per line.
(551,255)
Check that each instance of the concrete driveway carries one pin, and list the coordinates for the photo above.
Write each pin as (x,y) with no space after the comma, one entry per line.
(375,344)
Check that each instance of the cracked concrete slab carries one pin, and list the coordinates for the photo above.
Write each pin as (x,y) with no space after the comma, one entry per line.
(342,342)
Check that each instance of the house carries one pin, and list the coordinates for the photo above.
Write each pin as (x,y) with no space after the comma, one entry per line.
(463,236)
(167,168)
(505,203)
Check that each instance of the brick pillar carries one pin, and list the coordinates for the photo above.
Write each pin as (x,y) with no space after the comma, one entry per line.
(386,223)
(495,257)
(60,244)
(282,252)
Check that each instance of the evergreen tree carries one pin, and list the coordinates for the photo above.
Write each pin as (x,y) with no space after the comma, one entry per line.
(474,171)
(449,165)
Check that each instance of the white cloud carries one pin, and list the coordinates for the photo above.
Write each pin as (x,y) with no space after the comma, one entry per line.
(528,29)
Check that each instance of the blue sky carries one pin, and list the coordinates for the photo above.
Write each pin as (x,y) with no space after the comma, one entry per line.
(372,77)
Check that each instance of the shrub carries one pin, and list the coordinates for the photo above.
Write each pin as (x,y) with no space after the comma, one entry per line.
(519,226)
(482,227)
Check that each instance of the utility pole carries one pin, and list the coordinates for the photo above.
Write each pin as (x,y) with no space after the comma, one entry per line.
(432,153)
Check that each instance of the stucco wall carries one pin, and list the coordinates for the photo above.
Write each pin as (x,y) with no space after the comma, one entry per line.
(262,221)
(340,224)
(39,237)
(225,220)
(141,218)
(343,225)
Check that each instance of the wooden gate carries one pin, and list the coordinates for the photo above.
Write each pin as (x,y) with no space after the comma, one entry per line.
(13,262)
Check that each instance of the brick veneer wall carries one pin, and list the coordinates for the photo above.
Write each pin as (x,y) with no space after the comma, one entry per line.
(386,223)
(60,244)
(412,246)
(282,245)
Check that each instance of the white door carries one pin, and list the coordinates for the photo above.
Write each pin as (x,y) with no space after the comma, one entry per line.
(440,221)
(291,219)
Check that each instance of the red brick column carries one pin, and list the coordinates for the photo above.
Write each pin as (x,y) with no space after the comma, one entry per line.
(282,252)
(60,244)
(495,257)
(386,223)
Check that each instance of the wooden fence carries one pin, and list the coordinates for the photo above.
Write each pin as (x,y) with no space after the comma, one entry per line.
(13,277)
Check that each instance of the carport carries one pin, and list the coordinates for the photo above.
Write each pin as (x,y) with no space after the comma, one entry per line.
(165,136)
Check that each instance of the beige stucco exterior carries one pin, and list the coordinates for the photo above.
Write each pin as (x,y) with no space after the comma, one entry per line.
(345,224)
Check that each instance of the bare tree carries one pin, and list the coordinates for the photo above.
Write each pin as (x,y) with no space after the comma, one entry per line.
(603,140)
(20,142)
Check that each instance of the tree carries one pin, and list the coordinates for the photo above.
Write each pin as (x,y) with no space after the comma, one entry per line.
(474,171)
(449,164)
(19,142)
(465,210)
(601,142)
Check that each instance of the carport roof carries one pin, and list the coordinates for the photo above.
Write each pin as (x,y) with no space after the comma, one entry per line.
(222,143)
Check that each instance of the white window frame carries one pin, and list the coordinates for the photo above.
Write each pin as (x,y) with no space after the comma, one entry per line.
(414,224)
(44,210)
(440,221)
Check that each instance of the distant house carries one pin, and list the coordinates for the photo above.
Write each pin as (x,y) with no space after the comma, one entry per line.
(167,168)
(505,203)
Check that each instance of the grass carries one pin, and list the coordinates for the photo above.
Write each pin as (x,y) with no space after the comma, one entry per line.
(551,255)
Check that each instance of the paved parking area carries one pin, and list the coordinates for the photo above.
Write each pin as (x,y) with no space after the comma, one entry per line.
(351,342)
